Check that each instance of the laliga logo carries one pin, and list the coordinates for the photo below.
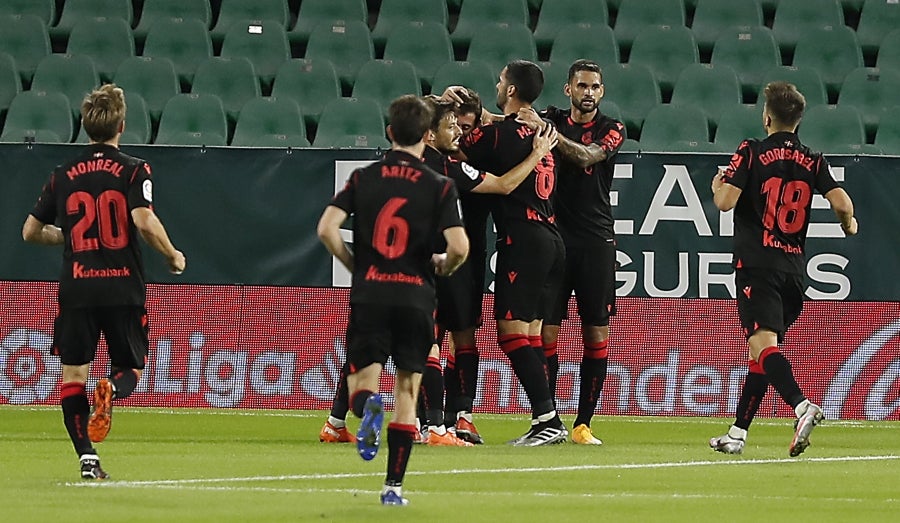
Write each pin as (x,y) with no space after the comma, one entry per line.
(876,405)
(28,373)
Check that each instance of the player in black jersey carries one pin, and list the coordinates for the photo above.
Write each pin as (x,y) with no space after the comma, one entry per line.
(101,200)
(530,252)
(769,183)
(399,207)
(460,296)
(589,141)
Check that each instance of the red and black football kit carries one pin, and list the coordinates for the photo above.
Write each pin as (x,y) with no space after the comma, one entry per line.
(101,286)
(584,216)
(777,176)
(399,206)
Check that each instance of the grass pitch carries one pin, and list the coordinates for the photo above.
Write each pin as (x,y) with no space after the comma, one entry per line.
(268,466)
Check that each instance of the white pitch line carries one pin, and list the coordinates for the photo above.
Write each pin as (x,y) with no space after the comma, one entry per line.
(623,466)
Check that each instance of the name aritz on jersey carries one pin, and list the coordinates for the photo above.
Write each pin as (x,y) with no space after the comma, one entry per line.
(470,171)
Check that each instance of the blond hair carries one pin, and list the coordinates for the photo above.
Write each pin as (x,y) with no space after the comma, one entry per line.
(102,112)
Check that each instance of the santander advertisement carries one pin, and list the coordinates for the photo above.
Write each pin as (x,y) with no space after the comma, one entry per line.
(282,348)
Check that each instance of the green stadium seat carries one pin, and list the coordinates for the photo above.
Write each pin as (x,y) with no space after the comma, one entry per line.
(498,44)
(713,89)
(630,145)
(807,80)
(426,45)
(832,129)
(634,89)
(43,9)
(313,13)
(154,79)
(872,91)
(349,117)
(243,12)
(666,50)
(668,124)
(106,41)
(185,42)
(635,15)
(833,52)
(233,80)
(474,15)
(137,123)
(385,80)
(193,119)
(361,141)
(310,83)
(348,45)
(876,19)
(750,51)
(738,124)
(597,43)
(38,116)
(889,52)
(400,13)
(556,75)
(610,109)
(73,76)
(888,136)
(265,44)
(555,18)
(270,122)
(711,17)
(10,82)
(474,75)
(74,11)
(25,38)
(155,10)
(794,20)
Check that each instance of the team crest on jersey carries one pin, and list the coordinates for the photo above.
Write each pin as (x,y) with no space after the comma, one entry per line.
(587,138)
(469,171)
(147,187)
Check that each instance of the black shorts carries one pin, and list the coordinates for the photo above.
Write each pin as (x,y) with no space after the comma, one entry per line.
(591,273)
(77,330)
(768,299)
(530,267)
(459,299)
(376,332)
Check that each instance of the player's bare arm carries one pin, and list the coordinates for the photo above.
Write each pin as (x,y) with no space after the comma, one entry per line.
(154,233)
(725,195)
(582,155)
(35,231)
(446,263)
(544,142)
(842,206)
(329,231)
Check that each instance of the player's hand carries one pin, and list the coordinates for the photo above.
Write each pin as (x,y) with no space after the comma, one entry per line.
(852,229)
(529,117)
(545,140)
(177,263)
(451,94)
(439,260)
(717,181)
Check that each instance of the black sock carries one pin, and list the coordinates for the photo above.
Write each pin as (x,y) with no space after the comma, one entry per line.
(124,381)
(400,443)
(755,386)
(592,375)
(432,388)
(780,375)
(552,366)
(76,411)
(467,367)
(358,402)
(451,389)
(341,402)
(530,371)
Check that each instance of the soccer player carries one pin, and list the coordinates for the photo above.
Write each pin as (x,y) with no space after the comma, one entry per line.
(769,183)
(531,256)
(102,199)
(399,207)
(460,296)
(586,156)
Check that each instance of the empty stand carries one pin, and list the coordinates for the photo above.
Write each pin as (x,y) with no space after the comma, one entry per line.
(889,52)
(712,89)
(711,17)
(738,124)
(556,74)
(474,75)
(10,82)
(154,79)
(155,10)
(106,41)
(348,45)
(871,91)
(555,18)
(888,136)
(313,13)
(344,117)
(396,14)
(634,89)
(43,9)
(38,116)
(185,42)
(666,50)
(426,45)
(832,129)
(794,20)
(876,20)
(596,42)
(74,11)
(833,52)
(385,80)
(270,122)
(193,119)
(232,80)
(750,51)
(672,127)
(265,44)
(807,80)
(499,44)
(310,83)
(25,38)
(635,15)
(474,15)
(243,12)
(73,76)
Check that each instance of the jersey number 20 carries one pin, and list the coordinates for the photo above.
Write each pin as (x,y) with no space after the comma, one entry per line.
(109,210)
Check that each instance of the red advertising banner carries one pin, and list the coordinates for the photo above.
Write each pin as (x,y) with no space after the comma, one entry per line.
(282,348)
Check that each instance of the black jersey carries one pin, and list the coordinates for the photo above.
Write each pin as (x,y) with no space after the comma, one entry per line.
(582,206)
(497,148)
(777,176)
(91,198)
(398,205)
